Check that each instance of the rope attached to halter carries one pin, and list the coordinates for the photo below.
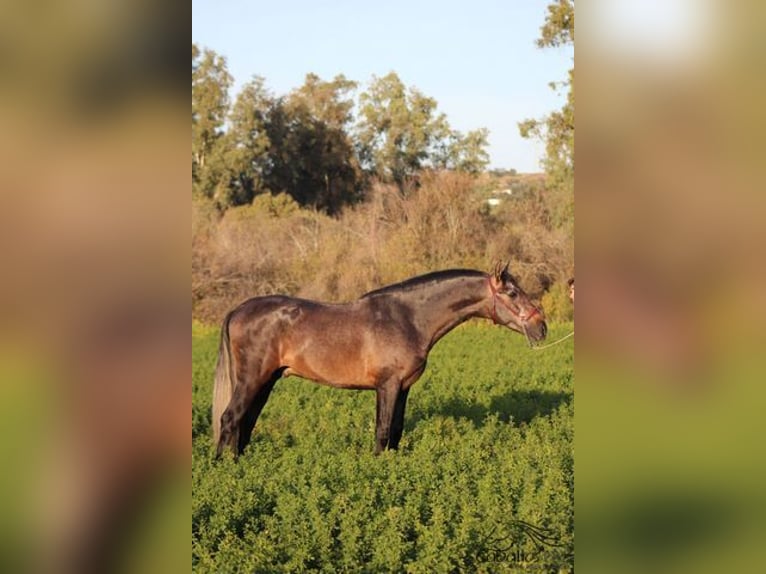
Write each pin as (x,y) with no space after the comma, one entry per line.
(553,343)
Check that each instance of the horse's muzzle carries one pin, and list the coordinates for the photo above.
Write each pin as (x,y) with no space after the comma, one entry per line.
(536,329)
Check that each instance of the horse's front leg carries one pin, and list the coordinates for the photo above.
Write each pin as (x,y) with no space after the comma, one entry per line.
(397,422)
(387,393)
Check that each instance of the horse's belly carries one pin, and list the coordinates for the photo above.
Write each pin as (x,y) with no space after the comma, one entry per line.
(341,378)
(346,358)
(336,369)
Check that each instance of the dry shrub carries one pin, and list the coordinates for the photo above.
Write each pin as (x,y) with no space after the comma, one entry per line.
(443,224)
(272,246)
(252,251)
(541,255)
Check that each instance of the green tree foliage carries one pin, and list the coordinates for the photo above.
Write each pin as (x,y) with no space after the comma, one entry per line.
(401,132)
(557,129)
(312,157)
(210,104)
(398,128)
(466,153)
(306,144)
(558,29)
(329,102)
(248,142)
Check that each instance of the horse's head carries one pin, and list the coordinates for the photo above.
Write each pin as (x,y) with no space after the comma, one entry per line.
(510,306)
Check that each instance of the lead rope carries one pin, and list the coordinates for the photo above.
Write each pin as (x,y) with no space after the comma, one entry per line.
(554,342)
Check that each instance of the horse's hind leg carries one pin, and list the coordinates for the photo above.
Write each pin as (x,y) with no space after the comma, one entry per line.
(248,421)
(253,384)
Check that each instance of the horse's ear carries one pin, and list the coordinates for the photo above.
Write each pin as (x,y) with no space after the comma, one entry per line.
(497,270)
(501,271)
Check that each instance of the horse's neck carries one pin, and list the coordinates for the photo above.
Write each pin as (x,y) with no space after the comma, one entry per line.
(445,307)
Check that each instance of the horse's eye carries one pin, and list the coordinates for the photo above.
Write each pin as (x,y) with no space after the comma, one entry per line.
(513,293)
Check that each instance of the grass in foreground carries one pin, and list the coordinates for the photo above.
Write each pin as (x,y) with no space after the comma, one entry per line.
(483,480)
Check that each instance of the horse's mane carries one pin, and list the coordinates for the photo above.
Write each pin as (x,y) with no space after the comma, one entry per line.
(421,280)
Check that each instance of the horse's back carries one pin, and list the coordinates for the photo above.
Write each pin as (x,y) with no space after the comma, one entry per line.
(348,345)
(282,319)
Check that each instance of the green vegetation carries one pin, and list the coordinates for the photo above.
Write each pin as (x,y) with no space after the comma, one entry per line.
(483,474)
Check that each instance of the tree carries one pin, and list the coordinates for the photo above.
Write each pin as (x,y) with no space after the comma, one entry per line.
(400,132)
(247,142)
(558,29)
(210,104)
(329,102)
(466,153)
(311,155)
(557,129)
(399,129)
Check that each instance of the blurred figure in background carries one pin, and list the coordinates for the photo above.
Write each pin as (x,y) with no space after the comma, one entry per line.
(94,352)
(670,242)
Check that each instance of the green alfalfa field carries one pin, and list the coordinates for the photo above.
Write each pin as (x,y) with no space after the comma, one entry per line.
(483,480)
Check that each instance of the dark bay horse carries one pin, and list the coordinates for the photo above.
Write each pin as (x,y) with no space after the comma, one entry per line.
(378,342)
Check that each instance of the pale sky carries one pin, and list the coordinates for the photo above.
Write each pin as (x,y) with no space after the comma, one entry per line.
(477,59)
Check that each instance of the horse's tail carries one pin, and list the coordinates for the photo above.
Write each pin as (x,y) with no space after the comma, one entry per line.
(223,386)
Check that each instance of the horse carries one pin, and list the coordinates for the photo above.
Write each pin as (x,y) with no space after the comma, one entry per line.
(379,342)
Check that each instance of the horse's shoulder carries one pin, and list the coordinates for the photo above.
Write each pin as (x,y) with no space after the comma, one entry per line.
(387,311)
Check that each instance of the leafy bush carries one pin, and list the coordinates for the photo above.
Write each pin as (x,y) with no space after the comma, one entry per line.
(279,205)
(556,303)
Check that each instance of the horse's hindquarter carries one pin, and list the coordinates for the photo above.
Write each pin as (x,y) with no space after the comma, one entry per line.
(345,346)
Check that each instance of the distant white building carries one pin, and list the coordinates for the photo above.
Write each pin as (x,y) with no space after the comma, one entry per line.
(498,196)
